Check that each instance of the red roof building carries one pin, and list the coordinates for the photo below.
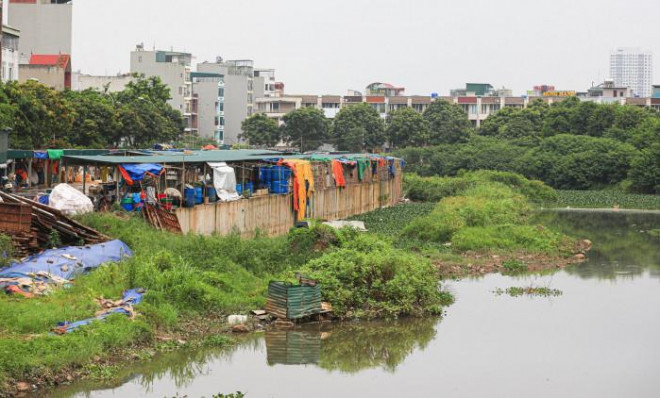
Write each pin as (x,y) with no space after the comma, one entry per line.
(51,69)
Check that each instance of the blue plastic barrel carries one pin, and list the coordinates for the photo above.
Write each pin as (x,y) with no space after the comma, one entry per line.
(264,174)
(189,197)
(136,197)
(249,187)
(280,173)
(211,194)
(199,195)
(279,186)
(239,189)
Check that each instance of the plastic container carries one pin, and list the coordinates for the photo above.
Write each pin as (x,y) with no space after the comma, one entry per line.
(239,189)
(264,174)
(280,173)
(199,195)
(189,197)
(127,203)
(211,194)
(136,197)
(279,187)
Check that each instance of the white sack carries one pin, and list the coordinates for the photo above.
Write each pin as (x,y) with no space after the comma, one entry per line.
(70,200)
(224,181)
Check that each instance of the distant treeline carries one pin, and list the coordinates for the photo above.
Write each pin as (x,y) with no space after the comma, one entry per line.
(41,117)
(568,145)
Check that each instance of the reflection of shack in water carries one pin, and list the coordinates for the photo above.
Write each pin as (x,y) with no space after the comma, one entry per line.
(293,347)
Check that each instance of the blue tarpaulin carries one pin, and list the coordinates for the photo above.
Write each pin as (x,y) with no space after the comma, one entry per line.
(136,172)
(40,155)
(69,262)
(129,299)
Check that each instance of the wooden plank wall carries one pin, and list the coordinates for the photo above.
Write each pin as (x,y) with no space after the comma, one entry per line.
(274,214)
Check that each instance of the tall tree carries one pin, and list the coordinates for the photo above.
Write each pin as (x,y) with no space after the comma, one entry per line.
(407,127)
(259,129)
(358,128)
(448,123)
(306,128)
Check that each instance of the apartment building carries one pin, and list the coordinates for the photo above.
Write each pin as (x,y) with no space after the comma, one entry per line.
(111,84)
(10,54)
(174,70)
(243,83)
(632,67)
(45,26)
(209,89)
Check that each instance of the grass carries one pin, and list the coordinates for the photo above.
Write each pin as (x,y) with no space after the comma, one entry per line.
(192,278)
(606,199)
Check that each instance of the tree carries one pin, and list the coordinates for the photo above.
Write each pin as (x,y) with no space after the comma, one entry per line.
(406,127)
(645,170)
(448,123)
(358,128)
(306,127)
(259,129)
(95,122)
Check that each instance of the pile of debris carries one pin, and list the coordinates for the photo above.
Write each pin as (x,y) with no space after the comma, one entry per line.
(31,226)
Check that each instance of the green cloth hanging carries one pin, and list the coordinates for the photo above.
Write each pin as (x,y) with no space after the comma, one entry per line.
(55,154)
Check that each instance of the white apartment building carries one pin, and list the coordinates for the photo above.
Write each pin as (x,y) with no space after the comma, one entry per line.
(632,67)
(10,55)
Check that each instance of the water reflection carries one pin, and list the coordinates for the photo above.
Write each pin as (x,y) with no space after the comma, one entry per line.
(624,245)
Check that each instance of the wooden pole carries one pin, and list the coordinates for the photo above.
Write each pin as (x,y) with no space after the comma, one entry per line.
(30,173)
(84,178)
(117,196)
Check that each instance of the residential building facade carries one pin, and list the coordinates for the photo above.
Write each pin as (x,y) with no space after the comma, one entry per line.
(632,67)
(45,25)
(51,70)
(174,70)
(10,54)
(209,89)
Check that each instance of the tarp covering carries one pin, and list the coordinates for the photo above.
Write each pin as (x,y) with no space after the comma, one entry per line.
(125,306)
(69,262)
(55,154)
(136,172)
(224,181)
(69,200)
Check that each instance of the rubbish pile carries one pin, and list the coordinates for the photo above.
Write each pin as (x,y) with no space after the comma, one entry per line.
(31,226)
(40,273)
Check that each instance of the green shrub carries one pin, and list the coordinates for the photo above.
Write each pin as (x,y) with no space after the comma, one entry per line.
(369,278)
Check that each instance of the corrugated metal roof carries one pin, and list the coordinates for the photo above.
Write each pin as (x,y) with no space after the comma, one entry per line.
(178,157)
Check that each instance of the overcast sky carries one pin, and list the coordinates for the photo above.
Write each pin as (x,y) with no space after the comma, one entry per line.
(327,47)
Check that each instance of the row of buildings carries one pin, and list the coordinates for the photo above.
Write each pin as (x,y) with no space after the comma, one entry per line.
(215,97)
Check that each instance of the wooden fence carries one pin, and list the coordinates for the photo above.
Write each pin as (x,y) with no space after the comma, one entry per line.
(274,215)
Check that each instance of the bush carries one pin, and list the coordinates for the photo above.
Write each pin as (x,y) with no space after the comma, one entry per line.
(368,278)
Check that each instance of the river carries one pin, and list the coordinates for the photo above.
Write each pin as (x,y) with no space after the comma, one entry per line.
(599,338)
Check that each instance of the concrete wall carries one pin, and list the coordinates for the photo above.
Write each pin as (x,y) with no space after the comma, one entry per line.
(45,28)
(51,76)
(80,82)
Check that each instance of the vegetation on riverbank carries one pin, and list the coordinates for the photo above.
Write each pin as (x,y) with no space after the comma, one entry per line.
(606,199)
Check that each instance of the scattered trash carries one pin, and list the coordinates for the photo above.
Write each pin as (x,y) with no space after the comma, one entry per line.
(123,306)
(240,329)
(358,225)
(237,319)
(54,268)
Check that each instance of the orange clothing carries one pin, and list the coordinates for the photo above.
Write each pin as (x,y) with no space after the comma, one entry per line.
(338,171)
(303,184)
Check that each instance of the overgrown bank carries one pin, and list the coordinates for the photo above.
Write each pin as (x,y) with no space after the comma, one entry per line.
(193,282)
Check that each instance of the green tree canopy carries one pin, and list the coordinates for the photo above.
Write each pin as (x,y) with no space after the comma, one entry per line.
(358,128)
(407,127)
(448,123)
(306,127)
(259,129)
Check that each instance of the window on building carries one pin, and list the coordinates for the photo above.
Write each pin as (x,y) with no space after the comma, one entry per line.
(221,92)
(222,121)
(140,59)
(276,106)
(221,106)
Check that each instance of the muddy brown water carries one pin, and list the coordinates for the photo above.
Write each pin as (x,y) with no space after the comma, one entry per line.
(600,338)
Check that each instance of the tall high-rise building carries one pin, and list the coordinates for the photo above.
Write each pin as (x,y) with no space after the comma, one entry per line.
(632,67)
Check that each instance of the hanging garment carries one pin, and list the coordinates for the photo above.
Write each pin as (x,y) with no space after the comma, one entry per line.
(224,181)
(303,184)
(338,171)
